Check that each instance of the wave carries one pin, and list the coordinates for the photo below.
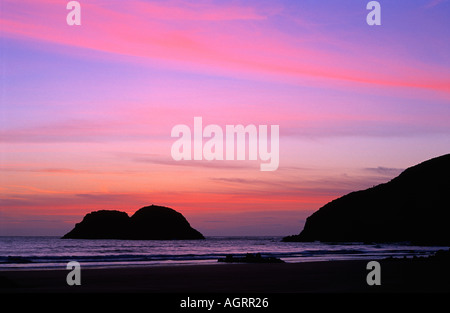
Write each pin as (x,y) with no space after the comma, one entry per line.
(52,252)
(108,258)
(165,257)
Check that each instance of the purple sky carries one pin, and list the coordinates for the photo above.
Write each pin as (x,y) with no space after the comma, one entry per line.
(87,111)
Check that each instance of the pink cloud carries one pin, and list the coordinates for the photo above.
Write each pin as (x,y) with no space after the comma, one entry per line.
(194,36)
(434,3)
(198,11)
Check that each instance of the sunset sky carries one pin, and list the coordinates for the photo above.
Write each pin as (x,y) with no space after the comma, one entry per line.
(87,111)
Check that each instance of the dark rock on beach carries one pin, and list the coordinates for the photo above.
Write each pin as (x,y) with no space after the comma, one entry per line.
(148,223)
(413,207)
(249,258)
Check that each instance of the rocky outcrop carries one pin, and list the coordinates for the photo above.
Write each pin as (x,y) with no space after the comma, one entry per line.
(103,224)
(148,223)
(157,222)
(413,207)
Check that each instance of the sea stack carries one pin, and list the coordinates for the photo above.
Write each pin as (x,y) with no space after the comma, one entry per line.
(148,223)
(413,207)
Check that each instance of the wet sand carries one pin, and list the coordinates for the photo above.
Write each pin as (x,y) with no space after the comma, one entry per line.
(397,276)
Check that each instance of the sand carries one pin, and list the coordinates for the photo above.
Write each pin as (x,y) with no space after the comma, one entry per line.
(290,287)
(397,276)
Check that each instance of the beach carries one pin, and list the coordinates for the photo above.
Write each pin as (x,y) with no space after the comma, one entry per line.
(397,276)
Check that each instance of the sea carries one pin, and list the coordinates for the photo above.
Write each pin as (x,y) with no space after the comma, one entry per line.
(34,252)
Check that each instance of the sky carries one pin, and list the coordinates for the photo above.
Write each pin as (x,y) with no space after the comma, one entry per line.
(86,111)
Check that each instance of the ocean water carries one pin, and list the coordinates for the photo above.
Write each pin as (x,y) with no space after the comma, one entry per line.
(53,252)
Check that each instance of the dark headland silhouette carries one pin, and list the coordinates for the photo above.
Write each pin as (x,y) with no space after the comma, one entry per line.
(413,207)
(148,223)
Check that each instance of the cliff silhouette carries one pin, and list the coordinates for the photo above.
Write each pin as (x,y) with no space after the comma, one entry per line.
(413,207)
(148,223)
